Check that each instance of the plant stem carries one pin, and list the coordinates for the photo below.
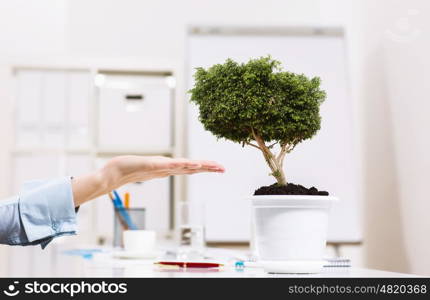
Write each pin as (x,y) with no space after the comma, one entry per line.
(275,163)
(280,177)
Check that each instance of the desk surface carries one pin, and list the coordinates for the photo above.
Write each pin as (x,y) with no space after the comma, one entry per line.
(68,261)
(105,266)
(149,271)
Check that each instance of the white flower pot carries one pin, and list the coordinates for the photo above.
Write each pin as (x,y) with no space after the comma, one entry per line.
(290,232)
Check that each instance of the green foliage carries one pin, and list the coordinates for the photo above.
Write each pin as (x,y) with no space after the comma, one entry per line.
(236,98)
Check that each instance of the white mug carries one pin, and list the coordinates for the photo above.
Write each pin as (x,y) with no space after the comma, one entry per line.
(142,241)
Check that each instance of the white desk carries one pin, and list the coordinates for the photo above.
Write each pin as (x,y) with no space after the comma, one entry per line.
(150,271)
(103,264)
(106,266)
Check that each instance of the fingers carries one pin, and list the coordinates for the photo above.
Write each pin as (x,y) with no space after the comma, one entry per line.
(191,172)
(125,169)
(210,166)
(180,163)
(201,165)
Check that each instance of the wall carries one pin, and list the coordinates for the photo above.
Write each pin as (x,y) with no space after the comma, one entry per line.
(30,29)
(403,31)
(389,80)
(33,27)
(387,76)
(156,28)
(27,28)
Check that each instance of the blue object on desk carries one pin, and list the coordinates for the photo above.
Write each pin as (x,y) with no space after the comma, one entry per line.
(117,202)
(239,265)
(84,253)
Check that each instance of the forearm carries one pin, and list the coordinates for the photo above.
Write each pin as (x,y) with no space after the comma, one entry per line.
(98,183)
(87,187)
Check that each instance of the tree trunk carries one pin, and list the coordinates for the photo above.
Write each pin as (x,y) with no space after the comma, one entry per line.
(280,176)
(275,164)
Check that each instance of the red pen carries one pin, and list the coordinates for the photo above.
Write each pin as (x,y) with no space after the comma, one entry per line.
(189,264)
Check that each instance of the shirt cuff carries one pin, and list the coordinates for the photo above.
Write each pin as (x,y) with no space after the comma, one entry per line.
(47,210)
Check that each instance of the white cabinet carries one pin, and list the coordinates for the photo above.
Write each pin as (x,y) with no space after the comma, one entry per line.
(59,118)
(28,113)
(78,110)
(64,122)
(35,166)
(52,109)
(54,93)
(135,113)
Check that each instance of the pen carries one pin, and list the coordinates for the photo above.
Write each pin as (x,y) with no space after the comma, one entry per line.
(117,214)
(117,198)
(127,200)
(119,208)
(189,264)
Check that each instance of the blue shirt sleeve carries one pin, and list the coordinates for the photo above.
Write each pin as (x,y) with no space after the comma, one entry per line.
(42,211)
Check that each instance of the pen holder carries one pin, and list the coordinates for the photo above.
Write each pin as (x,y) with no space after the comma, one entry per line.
(138,217)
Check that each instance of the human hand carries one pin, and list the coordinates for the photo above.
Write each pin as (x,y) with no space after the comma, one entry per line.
(131,168)
(125,169)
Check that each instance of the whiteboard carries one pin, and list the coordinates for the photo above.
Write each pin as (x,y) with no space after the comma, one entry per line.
(328,161)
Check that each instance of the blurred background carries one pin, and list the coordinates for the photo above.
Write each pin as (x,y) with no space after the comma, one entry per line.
(83,81)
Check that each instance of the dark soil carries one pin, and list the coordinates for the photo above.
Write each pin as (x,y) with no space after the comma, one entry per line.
(289,189)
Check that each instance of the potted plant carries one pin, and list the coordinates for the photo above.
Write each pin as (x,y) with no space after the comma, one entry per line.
(257,104)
